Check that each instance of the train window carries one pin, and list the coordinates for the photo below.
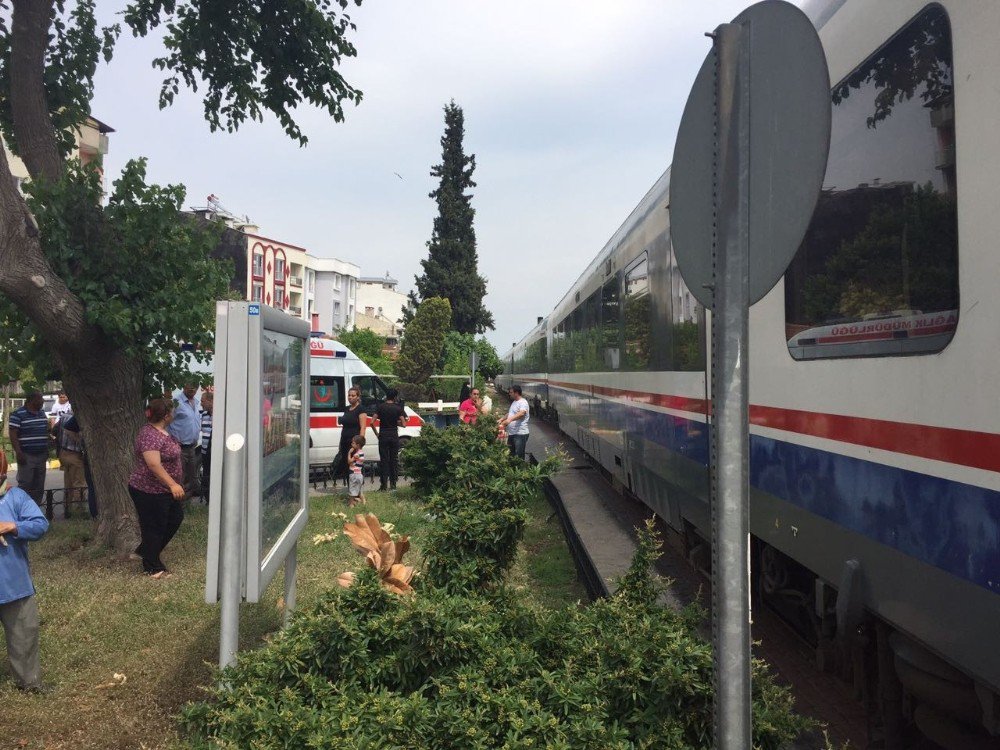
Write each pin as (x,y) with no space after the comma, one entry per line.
(610,323)
(534,359)
(687,339)
(586,339)
(637,315)
(877,272)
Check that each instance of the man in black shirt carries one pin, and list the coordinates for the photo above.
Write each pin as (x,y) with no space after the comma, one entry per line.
(391,416)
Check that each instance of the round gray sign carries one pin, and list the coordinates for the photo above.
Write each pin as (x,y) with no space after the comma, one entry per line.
(789,139)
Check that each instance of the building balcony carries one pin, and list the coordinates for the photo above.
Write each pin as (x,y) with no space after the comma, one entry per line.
(296,311)
(944,157)
(295,280)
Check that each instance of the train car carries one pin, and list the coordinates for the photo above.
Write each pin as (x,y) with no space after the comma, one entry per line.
(875,424)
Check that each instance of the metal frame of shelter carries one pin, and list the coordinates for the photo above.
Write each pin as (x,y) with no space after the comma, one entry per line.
(236,570)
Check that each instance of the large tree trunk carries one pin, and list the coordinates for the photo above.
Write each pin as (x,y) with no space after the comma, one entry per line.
(105,389)
(105,385)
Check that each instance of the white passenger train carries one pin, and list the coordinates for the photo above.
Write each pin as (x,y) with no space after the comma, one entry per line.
(875,405)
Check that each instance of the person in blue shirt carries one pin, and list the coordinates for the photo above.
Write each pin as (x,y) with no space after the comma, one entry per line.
(186,428)
(21,521)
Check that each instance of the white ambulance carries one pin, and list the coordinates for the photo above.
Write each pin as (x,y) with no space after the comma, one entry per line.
(333,370)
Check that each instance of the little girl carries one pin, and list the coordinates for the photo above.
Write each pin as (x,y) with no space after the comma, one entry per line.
(356,465)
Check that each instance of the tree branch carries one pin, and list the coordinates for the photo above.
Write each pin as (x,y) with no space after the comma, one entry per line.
(33,129)
(27,278)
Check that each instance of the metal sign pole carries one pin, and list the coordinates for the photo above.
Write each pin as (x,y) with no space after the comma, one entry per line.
(730,446)
(230,561)
(744,183)
(290,565)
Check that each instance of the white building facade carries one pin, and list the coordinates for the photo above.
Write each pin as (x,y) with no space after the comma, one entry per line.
(336,291)
(379,299)
(320,291)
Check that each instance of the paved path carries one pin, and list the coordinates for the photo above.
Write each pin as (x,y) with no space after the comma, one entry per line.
(603,520)
(53,478)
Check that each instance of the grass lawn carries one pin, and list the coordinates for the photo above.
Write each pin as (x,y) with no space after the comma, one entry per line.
(101,617)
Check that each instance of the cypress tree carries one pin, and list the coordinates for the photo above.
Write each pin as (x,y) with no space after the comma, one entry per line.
(451,269)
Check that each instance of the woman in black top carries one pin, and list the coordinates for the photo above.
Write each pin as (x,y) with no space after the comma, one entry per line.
(353,422)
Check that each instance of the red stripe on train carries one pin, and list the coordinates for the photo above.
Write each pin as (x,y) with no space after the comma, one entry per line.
(978,450)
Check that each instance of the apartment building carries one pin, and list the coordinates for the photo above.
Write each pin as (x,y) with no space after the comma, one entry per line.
(91,145)
(278,275)
(320,291)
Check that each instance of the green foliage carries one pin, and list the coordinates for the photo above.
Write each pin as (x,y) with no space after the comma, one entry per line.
(470,666)
(904,257)
(535,357)
(579,351)
(451,268)
(423,340)
(455,361)
(252,56)
(459,346)
(637,586)
(131,263)
(75,46)
(368,346)
(918,60)
(688,346)
(411,393)
(479,497)
(637,331)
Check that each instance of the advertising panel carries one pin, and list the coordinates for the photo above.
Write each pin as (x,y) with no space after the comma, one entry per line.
(261,377)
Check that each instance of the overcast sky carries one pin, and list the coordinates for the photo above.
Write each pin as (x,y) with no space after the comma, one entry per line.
(571,109)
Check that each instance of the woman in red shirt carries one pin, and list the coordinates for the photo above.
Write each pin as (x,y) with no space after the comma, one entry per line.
(468,410)
(155,486)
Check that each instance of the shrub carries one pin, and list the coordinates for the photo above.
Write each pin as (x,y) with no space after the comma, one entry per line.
(479,496)
(367,668)
(465,663)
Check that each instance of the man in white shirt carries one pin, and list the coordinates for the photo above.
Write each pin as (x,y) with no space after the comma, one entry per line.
(516,422)
(61,409)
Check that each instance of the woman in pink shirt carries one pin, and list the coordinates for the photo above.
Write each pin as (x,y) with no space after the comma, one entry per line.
(155,486)
(468,410)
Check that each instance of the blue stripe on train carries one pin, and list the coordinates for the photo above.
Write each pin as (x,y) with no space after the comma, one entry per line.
(950,525)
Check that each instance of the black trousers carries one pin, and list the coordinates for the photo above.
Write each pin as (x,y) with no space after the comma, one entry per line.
(191,458)
(340,469)
(159,518)
(206,471)
(388,459)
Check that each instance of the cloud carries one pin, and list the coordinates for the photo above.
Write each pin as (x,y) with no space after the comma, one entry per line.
(571,109)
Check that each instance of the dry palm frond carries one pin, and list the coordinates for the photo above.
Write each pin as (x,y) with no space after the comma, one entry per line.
(382,553)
